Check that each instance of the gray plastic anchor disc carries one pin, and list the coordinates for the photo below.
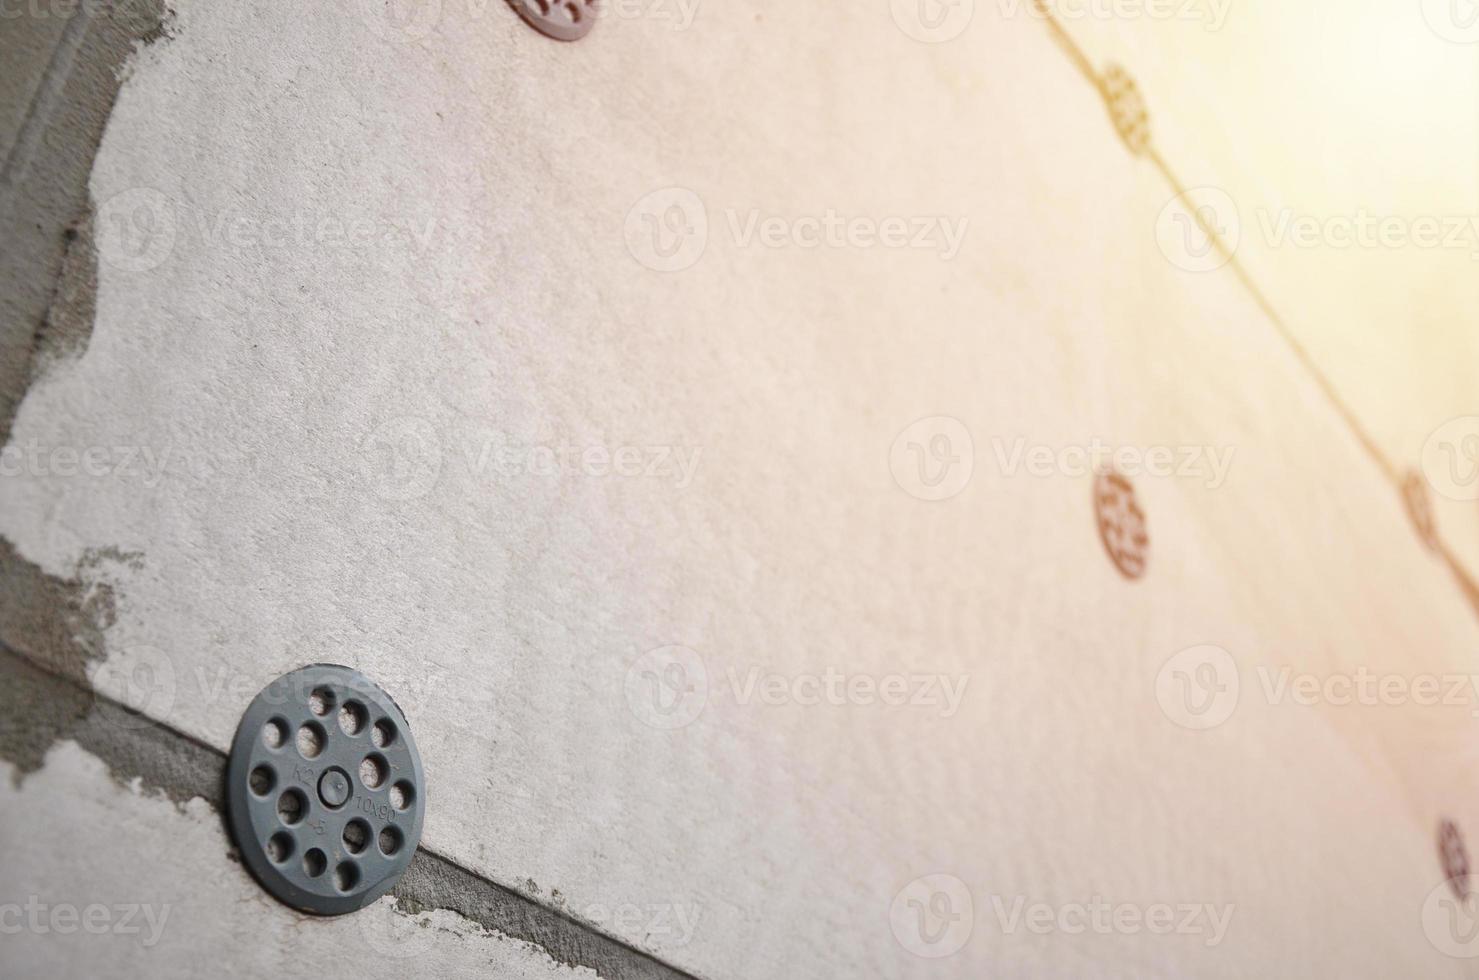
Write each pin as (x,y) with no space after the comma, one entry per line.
(325,790)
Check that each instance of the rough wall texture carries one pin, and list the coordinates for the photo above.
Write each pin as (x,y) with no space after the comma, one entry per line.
(408,339)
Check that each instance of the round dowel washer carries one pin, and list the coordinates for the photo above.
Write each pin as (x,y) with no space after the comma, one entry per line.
(563,20)
(325,790)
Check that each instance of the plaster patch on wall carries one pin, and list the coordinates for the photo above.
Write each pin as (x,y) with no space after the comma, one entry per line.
(49,280)
(62,335)
(60,621)
(46,279)
(38,709)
